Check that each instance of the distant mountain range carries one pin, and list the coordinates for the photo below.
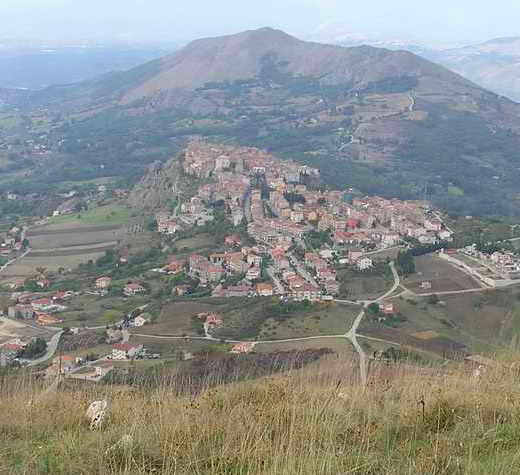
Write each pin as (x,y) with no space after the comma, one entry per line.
(494,65)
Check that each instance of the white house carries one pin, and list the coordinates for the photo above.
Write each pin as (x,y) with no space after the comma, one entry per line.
(123,351)
(140,321)
(364,263)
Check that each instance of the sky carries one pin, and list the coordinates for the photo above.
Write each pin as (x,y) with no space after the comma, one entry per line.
(174,21)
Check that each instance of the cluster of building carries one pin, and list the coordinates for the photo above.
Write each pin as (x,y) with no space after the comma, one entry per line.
(504,264)
(42,310)
(10,243)
(281,206)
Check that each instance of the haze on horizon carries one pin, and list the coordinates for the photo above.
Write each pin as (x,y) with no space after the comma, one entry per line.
(163,21)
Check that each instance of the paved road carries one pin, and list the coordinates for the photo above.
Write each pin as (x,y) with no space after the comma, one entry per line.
(352,333)
(412,102)
(52,346)
(279,287)
(379,251)
(301,269)
(397,283)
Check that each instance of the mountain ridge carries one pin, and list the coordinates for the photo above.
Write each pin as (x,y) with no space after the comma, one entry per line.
(239,57)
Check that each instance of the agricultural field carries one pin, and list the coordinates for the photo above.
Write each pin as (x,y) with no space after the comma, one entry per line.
(114,214)
(90,310)
(326,319)
(338,345)
(169,349)
(461,323)
(198,243)
(356,285)
(68,242)
(26,267)
(443,276)
(176,319)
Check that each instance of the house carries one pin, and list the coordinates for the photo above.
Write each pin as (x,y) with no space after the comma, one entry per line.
(132,289)
(101,369)
(21,311)
(168,227)
(364,263)
(387,308)
(215,272)
(253,273)
(141,320)
(242,348)
(390,239)
(103,282)
(332,287)
(66,362)
(445,235)
(43,284)
(232,241)
(238,291)
(9,352)
(306,292)
(354,254)
(60,296)
(46,319)
(43,305)
(265,290)
(281,263)
(426,285)
(213,320)
(296,282)
(123,351)
(181,290)
(173,268)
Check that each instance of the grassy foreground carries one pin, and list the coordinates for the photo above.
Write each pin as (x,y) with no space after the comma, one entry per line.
(318,420)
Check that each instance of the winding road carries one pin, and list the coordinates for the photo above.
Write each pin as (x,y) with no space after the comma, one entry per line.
(350,335)
(52,346)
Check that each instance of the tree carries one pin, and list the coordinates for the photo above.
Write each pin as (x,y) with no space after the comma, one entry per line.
(373,308)
(25,243)
(35,348)
(41,270)
(112,316)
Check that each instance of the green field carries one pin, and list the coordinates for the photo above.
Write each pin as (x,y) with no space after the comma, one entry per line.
(195,243)
(325,319)
(338,345)
(109,215)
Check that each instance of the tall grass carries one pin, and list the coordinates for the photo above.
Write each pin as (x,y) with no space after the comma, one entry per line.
(317,420)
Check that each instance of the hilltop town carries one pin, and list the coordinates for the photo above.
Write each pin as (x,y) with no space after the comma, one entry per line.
(245,250)
(281,205)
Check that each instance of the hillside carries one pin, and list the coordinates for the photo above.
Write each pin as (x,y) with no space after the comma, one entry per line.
(386,122)
(453,419)
(242,57)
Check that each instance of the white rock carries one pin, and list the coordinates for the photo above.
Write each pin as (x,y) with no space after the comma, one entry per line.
(95,407)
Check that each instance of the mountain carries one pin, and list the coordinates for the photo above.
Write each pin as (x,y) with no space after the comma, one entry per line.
(247,55)
(385,121)
(494,65)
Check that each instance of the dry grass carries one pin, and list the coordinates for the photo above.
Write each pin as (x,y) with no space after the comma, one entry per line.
(299,423)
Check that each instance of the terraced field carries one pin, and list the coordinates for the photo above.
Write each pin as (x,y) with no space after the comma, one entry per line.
(65,245)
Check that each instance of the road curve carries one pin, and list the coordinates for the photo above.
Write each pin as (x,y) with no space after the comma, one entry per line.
(52,346)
